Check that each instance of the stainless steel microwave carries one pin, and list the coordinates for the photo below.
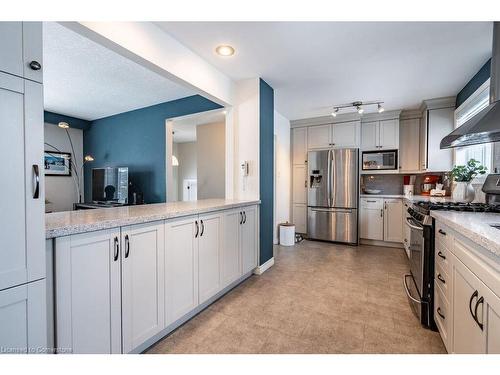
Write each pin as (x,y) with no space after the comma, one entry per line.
(379,160)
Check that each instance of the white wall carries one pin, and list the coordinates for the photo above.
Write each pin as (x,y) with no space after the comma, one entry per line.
(61,190)
(186,154)
(282,168)
(211,155)
(246,136)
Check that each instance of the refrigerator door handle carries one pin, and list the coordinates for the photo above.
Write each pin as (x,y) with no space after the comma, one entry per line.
(332,210)
(329,178)
(332,178)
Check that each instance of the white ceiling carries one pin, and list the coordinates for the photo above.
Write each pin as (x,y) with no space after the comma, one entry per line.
(313,66)
(185,128)
(86,80)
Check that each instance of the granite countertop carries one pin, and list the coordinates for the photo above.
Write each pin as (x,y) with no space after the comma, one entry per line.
(413,198)
(60,224)
(475,226)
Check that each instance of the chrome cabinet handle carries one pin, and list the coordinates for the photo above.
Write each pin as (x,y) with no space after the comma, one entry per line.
(244,217)
(440,313)
(117,249)
(197,229)
(440,254)
(440,278)
(36,179)
(35,65)
(127,246)
(442,232)
(479,301)
(202,228)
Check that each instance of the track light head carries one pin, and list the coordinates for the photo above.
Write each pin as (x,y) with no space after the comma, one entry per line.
(335,111)
(380,109)
(360,109)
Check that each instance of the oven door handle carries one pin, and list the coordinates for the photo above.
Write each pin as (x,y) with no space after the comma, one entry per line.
(408,290)
(412,225)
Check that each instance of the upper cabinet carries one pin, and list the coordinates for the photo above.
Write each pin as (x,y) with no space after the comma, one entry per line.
(379,135)
(409,145)
(340,134)
(437,122)
(21,49)
(299,146)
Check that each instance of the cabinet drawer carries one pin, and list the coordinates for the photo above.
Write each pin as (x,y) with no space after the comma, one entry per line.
(374,203)
(442,317)
(444,236)
(443,281)
(442,257)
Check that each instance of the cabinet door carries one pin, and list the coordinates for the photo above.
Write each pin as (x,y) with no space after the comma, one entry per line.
(87,284)
(369,135)
(300,218)
(423,141)
(299,184)
(22,230)
(492,315)
(393,220)
(230,258)
(299,145)
(319,136)
(181,267)
(143,296)
(389,134)
(346,134)
(409,149)
(467,335)
(371,224)
(32,50)
(441,123)
(11,48)
(248,239)
(209,250)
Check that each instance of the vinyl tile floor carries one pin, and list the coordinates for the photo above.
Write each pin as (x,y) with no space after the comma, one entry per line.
(317,298)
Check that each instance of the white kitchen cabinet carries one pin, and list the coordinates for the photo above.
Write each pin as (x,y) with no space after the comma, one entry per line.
(393,220)
(371,219)
(319,136)
(22,230)
(299,212)
(143,296)
(23,327)
(230,252)
(210,244)
(88,292)
(20,46)
(181,267)
(346,134)
(409,142)
(436,124)
(406,228)
(299,146)
(378,135)
(249,239)
(299,189)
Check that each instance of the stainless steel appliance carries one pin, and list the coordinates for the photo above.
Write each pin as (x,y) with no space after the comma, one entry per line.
(110,185)
(379,160)
(332,213)
(491,188)
(419,283)
(482,128)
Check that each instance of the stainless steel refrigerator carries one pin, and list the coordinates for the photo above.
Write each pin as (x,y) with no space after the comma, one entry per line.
(332,212)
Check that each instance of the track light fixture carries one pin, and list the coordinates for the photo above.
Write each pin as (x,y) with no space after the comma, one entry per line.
(359,106)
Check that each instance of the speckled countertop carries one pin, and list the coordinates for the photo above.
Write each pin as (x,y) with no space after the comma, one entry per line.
(60,224)
(475,226)
(413,198)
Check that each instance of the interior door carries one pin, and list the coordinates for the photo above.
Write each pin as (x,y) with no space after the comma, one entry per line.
(142,283)
(181,267)
(344,178)
(209,253)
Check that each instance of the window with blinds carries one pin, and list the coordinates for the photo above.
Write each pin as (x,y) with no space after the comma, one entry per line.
(478,101)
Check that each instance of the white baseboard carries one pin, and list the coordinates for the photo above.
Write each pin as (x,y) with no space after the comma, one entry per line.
(264,267)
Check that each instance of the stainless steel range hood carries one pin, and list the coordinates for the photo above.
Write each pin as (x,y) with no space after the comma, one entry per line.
(485,126)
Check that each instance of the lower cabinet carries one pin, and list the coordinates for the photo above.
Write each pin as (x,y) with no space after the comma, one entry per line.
(299,212)
(181,267)
(88,292)
(393,220)
(116,289)
(24,309)
(381,219)
(143,296)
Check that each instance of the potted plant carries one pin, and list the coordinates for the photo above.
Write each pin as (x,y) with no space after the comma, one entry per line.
(463,190)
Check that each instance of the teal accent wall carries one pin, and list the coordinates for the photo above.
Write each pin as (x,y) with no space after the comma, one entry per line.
(266,164)
(481,77)
(74,122)
(136,140)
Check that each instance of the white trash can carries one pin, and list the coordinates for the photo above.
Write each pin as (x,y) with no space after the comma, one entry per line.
(287,234)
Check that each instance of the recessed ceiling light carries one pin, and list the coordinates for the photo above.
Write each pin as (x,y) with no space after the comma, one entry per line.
(225,50)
